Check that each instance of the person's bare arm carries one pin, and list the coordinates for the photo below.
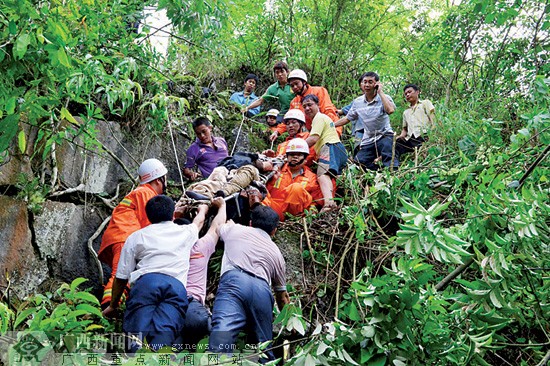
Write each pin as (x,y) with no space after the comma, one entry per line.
(220,218)
(388,105)
(192,175)
(342,121)
(201,216)
(431,117)
(312,140)
(254,104)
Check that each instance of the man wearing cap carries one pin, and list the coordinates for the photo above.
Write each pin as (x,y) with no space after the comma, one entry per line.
(247,96)
(279,91)
(130,216)
(295,187)
(273,123)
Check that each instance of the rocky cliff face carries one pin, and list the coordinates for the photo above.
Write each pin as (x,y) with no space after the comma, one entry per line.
(49,241)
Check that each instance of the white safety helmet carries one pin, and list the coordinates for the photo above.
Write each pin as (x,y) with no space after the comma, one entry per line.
(297,145)
(272,112)
(295,114)
(150,170)
(297,74)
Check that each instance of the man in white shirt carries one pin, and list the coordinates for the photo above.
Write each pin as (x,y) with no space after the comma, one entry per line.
(155,261)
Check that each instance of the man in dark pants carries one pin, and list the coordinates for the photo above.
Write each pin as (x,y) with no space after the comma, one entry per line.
(251,264)
(418,119)
(155,261)
(373,109)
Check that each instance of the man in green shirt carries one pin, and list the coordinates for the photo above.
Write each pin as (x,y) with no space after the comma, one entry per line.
(278,91)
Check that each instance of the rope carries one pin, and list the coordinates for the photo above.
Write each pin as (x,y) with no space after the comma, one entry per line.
(238,134)
(175,153)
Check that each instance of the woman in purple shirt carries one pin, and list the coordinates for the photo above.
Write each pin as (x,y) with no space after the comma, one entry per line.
(206,152)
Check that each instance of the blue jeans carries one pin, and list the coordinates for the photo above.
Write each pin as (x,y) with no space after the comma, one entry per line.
(243,303)
(155,309)
(381,148)
(198,324)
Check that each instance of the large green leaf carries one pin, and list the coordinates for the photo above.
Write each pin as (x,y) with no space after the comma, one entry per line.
(77,281)
(90,309)
(21,44)
(86,296)
(22,141)
(8,131)
(22,316)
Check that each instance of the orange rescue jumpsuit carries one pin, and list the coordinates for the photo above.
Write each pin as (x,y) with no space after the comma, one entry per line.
(293,195)
(128,216)
(279,128)
(325,105)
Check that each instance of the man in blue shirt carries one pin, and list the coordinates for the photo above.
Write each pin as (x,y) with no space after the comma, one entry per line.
(373,109)
(247,96)
(356,127)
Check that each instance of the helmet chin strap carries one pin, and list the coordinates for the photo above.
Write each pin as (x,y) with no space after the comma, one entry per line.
(163,183)
(298,163)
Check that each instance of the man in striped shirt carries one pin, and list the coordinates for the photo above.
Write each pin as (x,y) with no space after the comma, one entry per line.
(373,109)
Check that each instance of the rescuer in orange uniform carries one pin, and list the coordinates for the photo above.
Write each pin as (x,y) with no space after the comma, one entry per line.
(295,121)
(298,83)
(297,79)
(130,216)
(295,188)
(272,123)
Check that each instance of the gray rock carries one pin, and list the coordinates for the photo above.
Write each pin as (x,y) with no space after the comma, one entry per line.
(100,173)
(92,165)
(62,231)
(18,259)
(17,163)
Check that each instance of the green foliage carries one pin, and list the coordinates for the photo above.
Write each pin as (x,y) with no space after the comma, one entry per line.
(60,318)
(32,192)
(423,234)
(193,17)
(463,203)
(291,319)
(6,318)
(467,208)
(61,60)
(40,305)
